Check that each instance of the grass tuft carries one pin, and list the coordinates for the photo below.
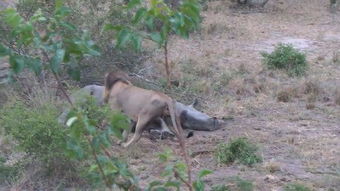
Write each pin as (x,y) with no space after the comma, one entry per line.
(296,187)
(240,150)
(286,57)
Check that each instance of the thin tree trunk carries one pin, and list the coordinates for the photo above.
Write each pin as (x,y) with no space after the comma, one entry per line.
(167,68)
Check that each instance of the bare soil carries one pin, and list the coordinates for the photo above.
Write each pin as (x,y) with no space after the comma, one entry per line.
(299,140)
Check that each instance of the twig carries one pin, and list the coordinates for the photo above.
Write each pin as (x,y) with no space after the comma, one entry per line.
(186,158)
(107,153)
(184,151)
(167,68)
(60,85)
(141,77)
(99,166)
(176,174)
(194,154)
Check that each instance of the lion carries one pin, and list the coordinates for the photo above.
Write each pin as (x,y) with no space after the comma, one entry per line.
(141,105)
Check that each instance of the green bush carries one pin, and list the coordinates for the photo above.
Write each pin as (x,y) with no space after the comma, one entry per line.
(296,187)
(240,150)
(286,57)
(35,130)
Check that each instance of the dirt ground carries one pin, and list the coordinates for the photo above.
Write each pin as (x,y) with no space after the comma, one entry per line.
(299,140)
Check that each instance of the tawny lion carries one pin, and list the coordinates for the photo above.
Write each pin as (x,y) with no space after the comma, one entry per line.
(141,105)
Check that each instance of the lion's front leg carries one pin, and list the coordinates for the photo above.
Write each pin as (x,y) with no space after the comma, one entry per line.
(141,122)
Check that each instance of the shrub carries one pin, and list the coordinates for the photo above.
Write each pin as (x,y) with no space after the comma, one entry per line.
(235,183)
(240,150)
(34,129)
(286,57)
(296,187)
(220,188)
(244,185)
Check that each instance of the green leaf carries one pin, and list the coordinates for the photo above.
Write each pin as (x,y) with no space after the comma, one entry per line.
(90,47)
(133,3)
(104,140)
(38,16)
(175,184)
(155,183)
(75,148)
(156,37)
(149,22)
(62,12)
(35,65)
(198,186)
(4,51)
(204,172)
(93,167)
(139,15)
(59,4)
(12,18)
(117,132)
(165,156)
(74,72)
(110,168)
(113,27)
(17,63)
(180,166)
(90,128)
(68,25)
(193,16)
(165,31)
(56,60)
(168,170)
(119,121)
(123,37)
(102,159)
(72,47)
(137,41)
(159,189)
(26,32)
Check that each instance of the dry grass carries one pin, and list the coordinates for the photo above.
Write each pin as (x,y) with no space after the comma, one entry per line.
(272,166)
(337,96)
(228,45)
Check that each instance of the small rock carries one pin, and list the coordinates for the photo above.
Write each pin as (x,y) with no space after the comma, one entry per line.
(257,128)
(326,99)
(304,124)
(144,176)
(285,179)
(270,178)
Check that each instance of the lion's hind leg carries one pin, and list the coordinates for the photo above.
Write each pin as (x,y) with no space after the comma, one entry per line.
(141,122)
(148,113)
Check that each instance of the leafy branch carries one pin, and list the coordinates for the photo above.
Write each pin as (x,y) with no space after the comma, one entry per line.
(156,22)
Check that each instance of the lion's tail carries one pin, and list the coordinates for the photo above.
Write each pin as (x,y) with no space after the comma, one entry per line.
(174,119)
(179,133)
